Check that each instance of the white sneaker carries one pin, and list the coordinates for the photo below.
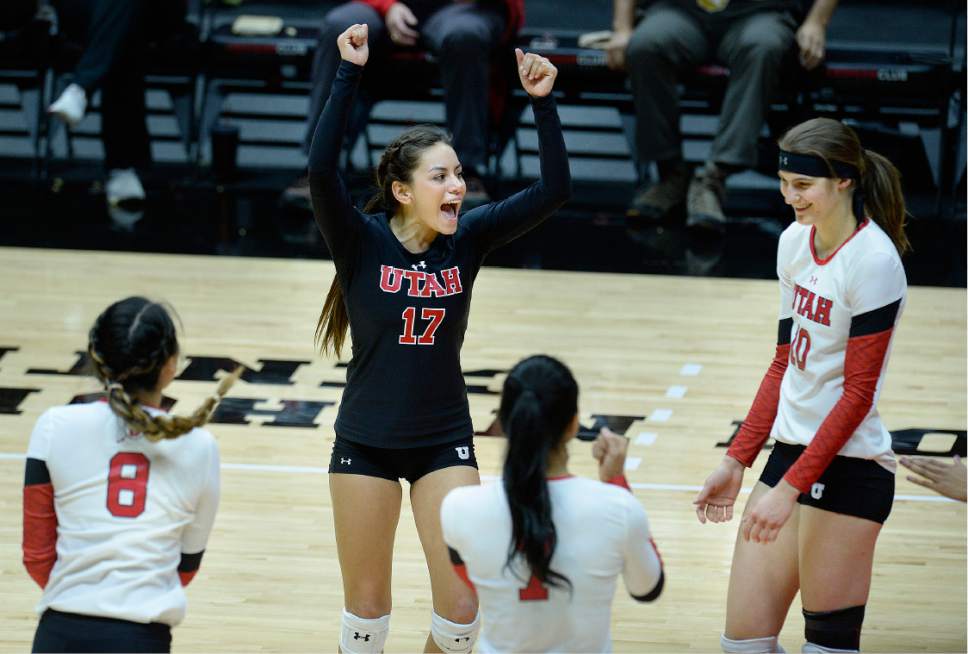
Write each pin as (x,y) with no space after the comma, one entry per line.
(70,106)
(123,185)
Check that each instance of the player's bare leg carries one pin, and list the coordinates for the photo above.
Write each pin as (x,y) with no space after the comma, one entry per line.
(452,599)
(763,580)
(366,511)
(836,560)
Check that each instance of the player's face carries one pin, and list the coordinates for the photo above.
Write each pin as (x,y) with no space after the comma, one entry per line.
(813,198)
(438,188)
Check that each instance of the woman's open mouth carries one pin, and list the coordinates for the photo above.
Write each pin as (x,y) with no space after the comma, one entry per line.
(450,210)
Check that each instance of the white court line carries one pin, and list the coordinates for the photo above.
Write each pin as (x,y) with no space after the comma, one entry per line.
(633,462)
(676,392)
(660,415)
(690,370)
(646,438)
(258,467)
(312,470)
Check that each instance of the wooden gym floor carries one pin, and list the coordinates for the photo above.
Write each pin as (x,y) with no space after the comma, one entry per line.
(683,355)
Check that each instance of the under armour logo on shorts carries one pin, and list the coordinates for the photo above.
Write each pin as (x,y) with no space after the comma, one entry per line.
(346,462)
(816,491)
(463,453)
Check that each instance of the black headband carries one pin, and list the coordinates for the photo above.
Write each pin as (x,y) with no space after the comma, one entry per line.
(808,164)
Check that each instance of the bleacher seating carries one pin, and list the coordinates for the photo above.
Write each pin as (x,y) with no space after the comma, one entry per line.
(887,74)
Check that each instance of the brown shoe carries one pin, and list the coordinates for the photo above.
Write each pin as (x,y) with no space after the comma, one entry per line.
(704,205)
(658,201)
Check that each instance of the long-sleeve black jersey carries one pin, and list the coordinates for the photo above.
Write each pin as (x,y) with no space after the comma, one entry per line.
(408,312)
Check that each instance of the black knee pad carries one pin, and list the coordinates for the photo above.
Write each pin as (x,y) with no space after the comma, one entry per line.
(838,629)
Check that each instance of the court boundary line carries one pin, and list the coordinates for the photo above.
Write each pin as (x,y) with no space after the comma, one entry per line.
(313,470)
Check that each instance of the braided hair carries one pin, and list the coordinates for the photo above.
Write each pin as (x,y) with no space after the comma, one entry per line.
(538,401)
(397,164)
(128,346)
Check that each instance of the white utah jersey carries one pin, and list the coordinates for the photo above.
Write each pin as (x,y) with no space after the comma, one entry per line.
(126,510)
(602,532)
(822,297)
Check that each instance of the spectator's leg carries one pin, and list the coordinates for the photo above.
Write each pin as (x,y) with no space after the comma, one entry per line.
(124,130)
(327,58)
(668,39)
(754,48)
(123,113)
(464,36)
(109,29)
(103,27)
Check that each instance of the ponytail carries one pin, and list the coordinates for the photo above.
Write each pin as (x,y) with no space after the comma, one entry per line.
(397,164)
(164,427)
(128,346)
(883,198)
(539,400)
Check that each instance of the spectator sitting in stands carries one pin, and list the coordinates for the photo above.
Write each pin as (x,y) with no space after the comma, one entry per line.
(115,35)
(752,38)
(463,35)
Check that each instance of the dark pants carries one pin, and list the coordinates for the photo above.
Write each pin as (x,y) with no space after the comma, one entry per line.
(115,36)
(462,36)
(69,632)
(675,35)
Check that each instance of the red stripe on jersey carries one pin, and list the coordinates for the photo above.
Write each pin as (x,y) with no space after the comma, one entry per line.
(186,577)
(620,480)
(461,571)
(863,363)
(657,553)
(756,428)
(40,532)
(813,250)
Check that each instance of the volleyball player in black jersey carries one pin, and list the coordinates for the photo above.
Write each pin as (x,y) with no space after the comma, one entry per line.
(405,269)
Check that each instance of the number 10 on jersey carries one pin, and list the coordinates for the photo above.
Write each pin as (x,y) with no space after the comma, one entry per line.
(409,337)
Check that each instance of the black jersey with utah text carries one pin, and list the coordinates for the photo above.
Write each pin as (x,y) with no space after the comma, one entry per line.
(408,312)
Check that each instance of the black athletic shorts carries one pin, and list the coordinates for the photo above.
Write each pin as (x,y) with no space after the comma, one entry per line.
(409,463)
(857,487)
(70,632)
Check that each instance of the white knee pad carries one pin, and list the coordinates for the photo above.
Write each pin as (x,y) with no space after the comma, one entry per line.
(454,638)
(813,648)
(363,635)
(768,645)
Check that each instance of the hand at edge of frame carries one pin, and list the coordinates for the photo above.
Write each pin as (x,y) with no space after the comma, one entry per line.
(943,478)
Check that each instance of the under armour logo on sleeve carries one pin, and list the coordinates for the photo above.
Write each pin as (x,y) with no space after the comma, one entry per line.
(346,462)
